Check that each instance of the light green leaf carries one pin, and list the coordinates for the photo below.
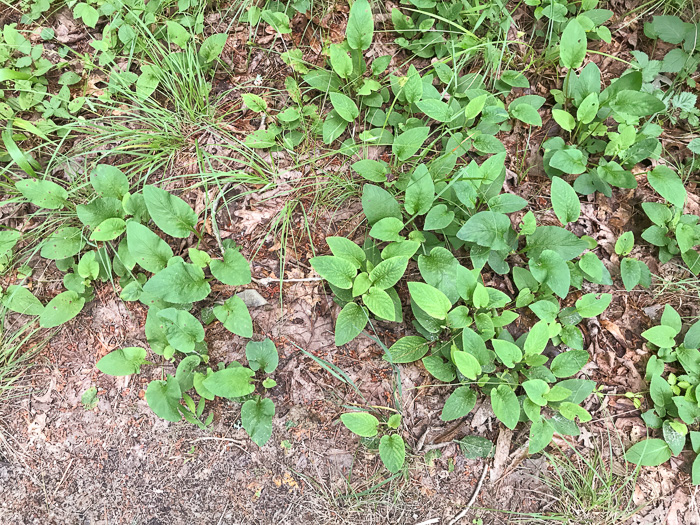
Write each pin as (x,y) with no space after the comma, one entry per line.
(231,382)
(235,317)
(344,106)
(379,303)
(212,47)
(109,181)
(387,273)
(170,213)
(408,349)
(505,406)
(256,418)
(43,193)
(164,398)
(61,309)
(668,185)
(336,270)
(148,250)
(262,355)
(662,336)
(551,269)
(392,451)
(565,202)
(108,229)
(19,299)
(179,283)
(569,363)
(352,319)
(573,45)
(420,192)
(122,362)
(590,305)
(429,299)
(488,229)
(234,270)
(409,142)
(361,423)
(360,29)
(459,404)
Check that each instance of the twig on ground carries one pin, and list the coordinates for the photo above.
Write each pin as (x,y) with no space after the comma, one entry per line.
(473,498)
(265,281)
(429,522)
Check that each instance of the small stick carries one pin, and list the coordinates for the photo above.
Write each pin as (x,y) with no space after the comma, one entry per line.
(265,281)
(473,499)
(429,522)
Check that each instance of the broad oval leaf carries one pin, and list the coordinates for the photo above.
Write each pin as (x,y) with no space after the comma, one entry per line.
(649,453)
(61,309)
(230,382)
(392,451)
(234,270)
(459,404)
(164,398)
(352,319)
(256,417)
(170,213)
(148,250)
(122,362)
(429,299)
(565,202)
(363,424)
(179,283)
(43,193)
(360,29)
(505,405)
(336,270)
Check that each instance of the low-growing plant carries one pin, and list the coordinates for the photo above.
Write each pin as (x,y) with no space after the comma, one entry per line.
(673,373)
(673,231)
(632,271)
(392,449)
(463,324)
(120,241)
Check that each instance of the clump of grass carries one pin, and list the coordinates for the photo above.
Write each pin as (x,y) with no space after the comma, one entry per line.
(587,487)
(16,354)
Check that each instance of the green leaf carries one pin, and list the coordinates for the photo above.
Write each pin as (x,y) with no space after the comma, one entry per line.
(392,451)
(108,229)
(505,406)
(61,309)
(89,14)
(394,421)
(438,368)
(379,303)
(336,270)
(588,109)
(360,27)
(524,112)
(361,423)
(254,102)
(459,404)
(624,243)
(170,213)
(649,453)
(569,363)
(19,299)
(674,439)
(230,382)
(535,390)
(235,317)
(346,249)
(179,283)
(537,338)
(475,447)
(164,398)
(340,61)
(344,106)
(565,202)
(551,269)
(8,240)
(185,372)
(488,229)
(467,364)
(541,434)
(387,229)
(671,318)
(122,362)
(373,170)
(43,193)
(555,238)
(99,210)
(636,103)
(409,142)
(377,204)
(234,270)
(420,192)
(333,127)
(212,47)
(438,217)
(429,299)
(408,349)
(571,161)
(148,250)
(668,185)
(435,109)
(352,319)
(564,119)
(262,355)
(413,86)
(507,352)
(109,181)
(387,273)
(571,411)
(661,336)
(256,418)
(573,45)
(591,306)
(177,34)
(181,328)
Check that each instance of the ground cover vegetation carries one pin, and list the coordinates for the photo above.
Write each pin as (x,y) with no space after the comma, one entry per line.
(485,283)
